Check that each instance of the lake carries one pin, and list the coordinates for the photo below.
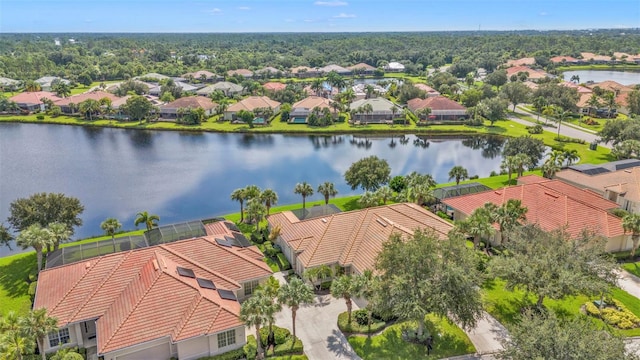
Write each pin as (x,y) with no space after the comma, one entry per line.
(184,176)
(622,77)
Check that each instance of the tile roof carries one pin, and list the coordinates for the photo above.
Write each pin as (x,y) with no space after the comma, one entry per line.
(581,89)
(533,74)
(626,180)
(333,67)
(428,89)
(559,59)
(94,95)
(302,69)
(353,238)
(364,66)
(152,76)
(312,102)
(268,69)
(591,56)
(190,102)
(8,82)
(243,72)
(521,61)
(223,86)
(138,296)
(611,85)
(198,74)
(551,204)
(274,86)
(253,102)
(33,97)
(436,103)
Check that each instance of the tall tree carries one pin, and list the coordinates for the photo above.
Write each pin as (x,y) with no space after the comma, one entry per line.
(478,225)
(110,227)
(60,233)
(539,103)
(368,173)
(293,295)
(510,165)
(38,238)
(305,190)
(516,92)
(149,220)
(344,287)
(255,211)
(384,194)
(554,264)
(44,209)
(5,236)
(631,224)
(255,312)
(239,195)
(458,173)
(269,198)
(37,325)
(138,108)
(423,274)
(13,342)
(493,109)
(509,216)
(327,189)
(532,147)
(560,116)
(89,108)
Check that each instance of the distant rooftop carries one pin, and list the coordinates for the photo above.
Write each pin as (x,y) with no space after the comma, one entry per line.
(591,169)
(316,211)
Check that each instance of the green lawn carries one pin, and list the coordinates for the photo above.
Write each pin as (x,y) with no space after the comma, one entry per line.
(633,268)
(389,345)
(14,273)
(505,305)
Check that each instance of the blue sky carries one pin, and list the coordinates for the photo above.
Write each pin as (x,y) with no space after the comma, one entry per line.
(313,15)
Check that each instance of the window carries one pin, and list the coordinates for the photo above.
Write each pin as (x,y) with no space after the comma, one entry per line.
(58,337)
(250,287)
(226,338)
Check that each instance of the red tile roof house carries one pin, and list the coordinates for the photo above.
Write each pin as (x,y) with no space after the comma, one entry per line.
(301,110)
(442,108)
(173,300)
(564,59)
(362,69)
(169,111)
(349,240)
(522,61)
(31,101)
(431,92)
(274,86)
(251,103)
(242,72)
(77,99)
(533,74)
(552,204)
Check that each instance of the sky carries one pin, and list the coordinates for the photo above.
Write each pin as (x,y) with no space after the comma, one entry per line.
(220,16)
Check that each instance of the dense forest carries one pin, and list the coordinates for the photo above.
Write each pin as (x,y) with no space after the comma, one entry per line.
(120,56)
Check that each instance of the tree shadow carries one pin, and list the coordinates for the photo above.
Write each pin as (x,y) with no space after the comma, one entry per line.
(338,344)
(352,204)
(14,276)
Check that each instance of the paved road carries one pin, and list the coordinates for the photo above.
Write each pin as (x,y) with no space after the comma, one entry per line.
(565,130)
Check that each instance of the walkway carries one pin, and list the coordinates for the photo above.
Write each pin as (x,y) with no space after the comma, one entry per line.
(487,335)
(629,283)
(565,129)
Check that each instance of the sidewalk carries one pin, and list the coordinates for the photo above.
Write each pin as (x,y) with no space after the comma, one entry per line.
(629,283)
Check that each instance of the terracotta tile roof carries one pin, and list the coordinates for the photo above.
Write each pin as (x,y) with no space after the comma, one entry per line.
(138,296)
(436,103)
(302,69)
(522,61)
(313,102)
(190,102)
(355,237)
(551,204)
(268,69)
(274,86)
(626,180)
(533,74)
(559,59)
(243,72)
(427,88)
(581,89)
(591,56)
(77,99)
(33,97)
(253,102)
(611,85)
(198,74)
(361,66)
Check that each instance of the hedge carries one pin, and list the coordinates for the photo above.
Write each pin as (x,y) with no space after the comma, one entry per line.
(283,262)
(229,355)
(354,327)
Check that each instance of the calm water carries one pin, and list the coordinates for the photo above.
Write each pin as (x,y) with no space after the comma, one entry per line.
(622,77)
(185,176)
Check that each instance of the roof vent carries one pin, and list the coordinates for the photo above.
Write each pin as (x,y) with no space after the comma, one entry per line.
(555,196)
(324,220)
(186,272)
(498,192)
(381,222)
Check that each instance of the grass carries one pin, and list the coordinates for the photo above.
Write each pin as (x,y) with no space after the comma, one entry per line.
(354,327)
(632,267)
(449,340)
(14,273)
(505,305)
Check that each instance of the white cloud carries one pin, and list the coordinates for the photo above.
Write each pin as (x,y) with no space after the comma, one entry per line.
(244,8)
(214,11)
(331,3)
(344,16)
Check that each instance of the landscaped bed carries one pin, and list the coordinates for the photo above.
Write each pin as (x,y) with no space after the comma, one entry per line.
(448,340)
(358,323)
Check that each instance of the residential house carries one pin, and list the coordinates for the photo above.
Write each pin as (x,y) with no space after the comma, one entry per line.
(525,61)
(621,92)
(97,95)
(268,72)
(251,103)
(117,107)
(169,111)
(559,60)
(621,186)
(363,91)
(394,67)
(245,73)
(228,89)
(431,92)
(185,88)
(47,81)
(9,84)
(274,86)
(362,69)
(442,108)
(175,300)
(532,74)
(202,75)
(338,69)
(153,76)
(32,101)
(351,240)
(381,111)
(595,59)
(301,110)
(553,205)
(304,72)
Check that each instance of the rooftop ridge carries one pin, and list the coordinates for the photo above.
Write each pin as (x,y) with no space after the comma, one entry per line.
(351,241)
(319,240)
(184,320)
(215,318)
(77,282)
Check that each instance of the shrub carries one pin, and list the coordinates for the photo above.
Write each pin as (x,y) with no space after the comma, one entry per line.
(493,173)
(442,215)
(281,334)
(619,212)
(536,129)
(566,139)
(354,327)
(250,349)
(40,117)
(283,263)
(617,315)
(289,347)
(474,177)
(474,122)
(32,288)
(229,355)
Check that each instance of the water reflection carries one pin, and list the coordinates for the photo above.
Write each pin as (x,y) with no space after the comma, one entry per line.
(141,139)
(249,140)
(323,141)
(491,146)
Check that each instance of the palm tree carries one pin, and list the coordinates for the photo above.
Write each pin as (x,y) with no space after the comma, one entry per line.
(539,104)
(294,294)
(419,193)
(478,224)
(67,354)
(327,189)
(593,102)
(368,199)
(303,189)
(255,312)
(368,109)
(269,198)
(631,224)
(239,196)
(37,325)
(60,232)
(394,111)
(459,173)
(111,226)
(89,107)
(32,86)
(508,215)
(384,193)
(575,78)
(550,168)
(343,288)
(560,116)
(255,211)
(570,156)
(38,238)
(610,101)
(317,86)
(13,343)
(521,161)
(251,192)
(365,289)
(150,220)
(509,164)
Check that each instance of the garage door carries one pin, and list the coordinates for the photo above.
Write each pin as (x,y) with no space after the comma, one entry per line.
(159,352)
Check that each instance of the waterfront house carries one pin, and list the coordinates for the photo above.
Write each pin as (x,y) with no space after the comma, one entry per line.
(442,109)
(301,110)
(362,69)
(175,300)
(431,92)
(349,241)
(380,111)
(169,111)
(337,68)
(32,101)
(553,205)
(394,66)
(66,106)
(251,103)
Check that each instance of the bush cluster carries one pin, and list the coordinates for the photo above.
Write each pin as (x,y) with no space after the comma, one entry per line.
(617,315)
(536,129)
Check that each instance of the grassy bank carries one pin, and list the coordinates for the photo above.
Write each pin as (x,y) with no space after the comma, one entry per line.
(616,67)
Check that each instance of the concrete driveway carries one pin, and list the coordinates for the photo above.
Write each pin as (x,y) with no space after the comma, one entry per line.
(317,327)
